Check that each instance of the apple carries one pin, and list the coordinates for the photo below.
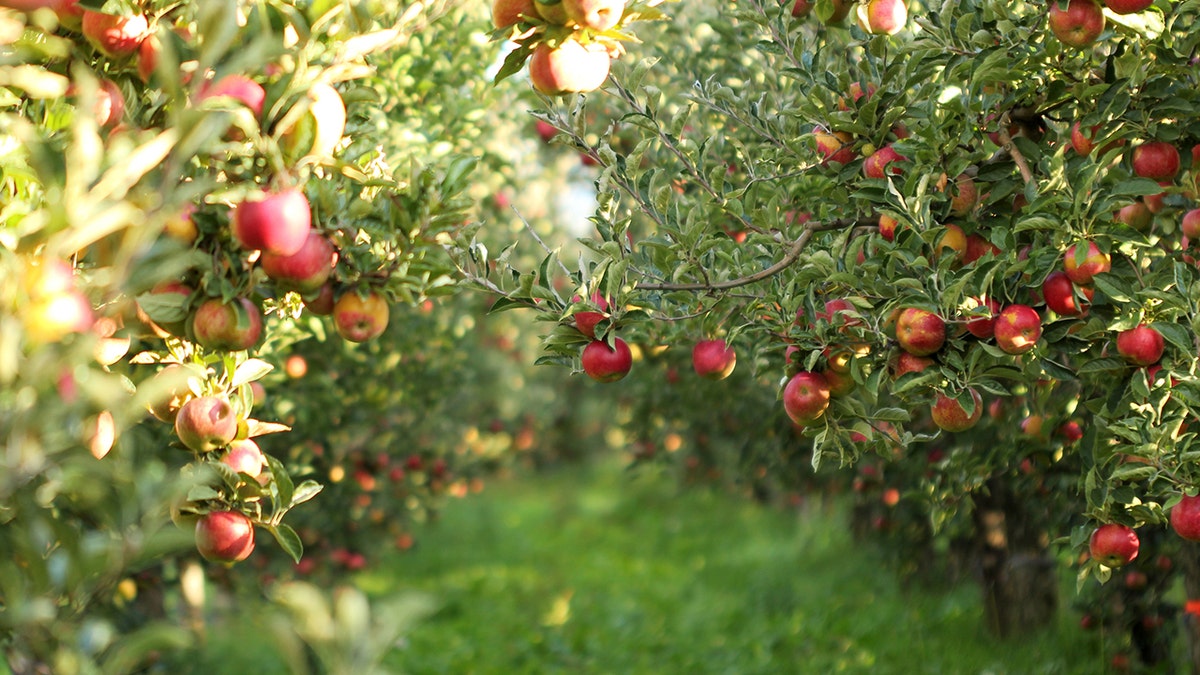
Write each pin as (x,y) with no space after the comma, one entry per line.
(1113,544)
(50,318)
(1070,432)
(1136,580)
(1141,345)
(834,146)
(225,536)
(713,359)
(70,14)
(109,107)
(887,227)
(1185,518)
(569,68)
(597,15)
(1082,143)
(360,318)
(904,363)
(507,13)
(232,326)
(1156,160)
(170,390)
(587,320)
(27,5)
(841,10)
(553,11)
(920,332)
(307,269)
(114,36)
(1081,270)
(952,238)
(802,8)
(1190,226)
(1136,215)
(1079,24)
(882,17)
(840,383)
(317,132)
(950,415)
(1059,292)
(237,87)
(147,57)
(205,423)
(1157,202)
(1018,328)
(876,165)
(545,130)
(603,363)
(982,324)
(964,195)
(977,247)
(1127,6)
(321,301)
(806,397)
(273,222)
(246,457)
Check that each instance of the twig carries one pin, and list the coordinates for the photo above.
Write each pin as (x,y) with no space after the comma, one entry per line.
(1006,142)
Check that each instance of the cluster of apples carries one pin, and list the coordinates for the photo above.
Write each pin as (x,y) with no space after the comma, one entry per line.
(875,17)
(1116,545)
(838,148)
(570,54)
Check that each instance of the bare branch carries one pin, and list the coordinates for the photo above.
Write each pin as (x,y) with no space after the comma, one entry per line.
(1006,142)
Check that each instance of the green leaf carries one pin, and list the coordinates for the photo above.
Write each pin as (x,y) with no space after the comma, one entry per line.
(250,370)
(305,491)
(288,540)
(283,486)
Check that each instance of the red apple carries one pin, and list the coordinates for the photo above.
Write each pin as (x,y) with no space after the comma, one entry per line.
(1018,328)
(1141,345)
(205,423)
(604,363)
(27,5)
(806,397)
(321,301)
(1113,544)
(1136,215)
(115,36)
(1092,263)
(237,87)
(545,130)
(983,322)
(507,13)
(1156,160)
(802,8)
(1070,431)
(882,17)
(977,247)
(1059,293)
(1185,518)
(876,166)
(964,195)
(569,68)
(225,536)
(1079,24)
(307,269)
(358,319)
(834,146)
(587,320)
(1082,143)
(147,57)
(597,15)
(246,457)
(950,415)
(110,105)
(904,363)
(887,227)
(232,326)
(1190,226)
(713,359)
(1127,6)
(274,222)
(920,332)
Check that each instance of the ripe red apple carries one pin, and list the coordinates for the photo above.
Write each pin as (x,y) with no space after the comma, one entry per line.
(806,397)
(1113,544)
(569,68)
(1141,345)
(964,195)
(1136,215)
(587,320)
(876,166)
(950,415)
(887,227)
(237,87)
(507,13)
(246,457)
(598,15)
(802,8)
(904,363)
(321,301)
(603,363)
(1079,24)
(882,17)
(110,105)
(1190,226)
(1018,328)
(305,270)
(232,326)
(70,14)
(206,423)
(713,359)
(1185,518)
(275,222)
(1082,143)
(225,536)
(1127,6)
(834,146)
(1070,431)
(1059,293)
(358,319)
(115,36)
(920,332)
(1156,160)
(977,247)
(983,322)
(147,57)
(1094,262)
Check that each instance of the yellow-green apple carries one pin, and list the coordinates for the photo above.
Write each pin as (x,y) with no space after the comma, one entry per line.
(949,414)
(552,11)
(834,146)
(569,68)
(232,326)
(237,87)
(1141,345)
(507,13)
(876,165)
(904,363)
(920,332)
(225,536)
(317,132)
(882,17)
(1082,265)
(1156,160)
(1059,293)
(1136,215)
(806,397)
(181,227)
(1018,328)
(244,456)
(1113,544)
(1127,6)
(598,15)
(977,247)
(982,311)
(1185,518)
(273,222)
(305,270)
(1079,24)
(205,423)
(713,359)
(603,363)
(359,318)
(114,36)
